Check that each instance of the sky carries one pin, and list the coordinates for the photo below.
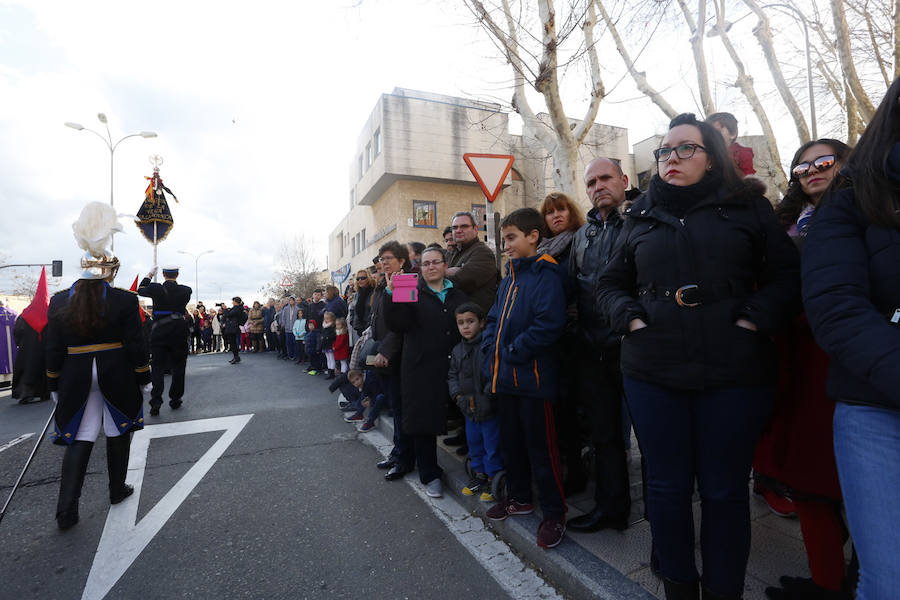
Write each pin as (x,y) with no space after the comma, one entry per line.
(257,107)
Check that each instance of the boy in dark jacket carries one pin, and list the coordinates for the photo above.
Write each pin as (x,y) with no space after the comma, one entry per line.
(478,407)
(523,326)
(312,347)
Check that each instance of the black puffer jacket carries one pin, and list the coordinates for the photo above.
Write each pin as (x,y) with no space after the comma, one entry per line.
(590,251)
(733,248)
(465,383)
(851,290)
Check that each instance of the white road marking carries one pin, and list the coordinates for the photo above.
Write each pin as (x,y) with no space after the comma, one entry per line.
(123,539)
(12,443)
(507,569)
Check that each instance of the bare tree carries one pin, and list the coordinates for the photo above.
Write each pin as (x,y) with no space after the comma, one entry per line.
(539,68)
(297,266)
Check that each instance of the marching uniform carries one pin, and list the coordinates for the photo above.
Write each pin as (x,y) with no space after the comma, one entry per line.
(111,361)
(97,363)
(169,339)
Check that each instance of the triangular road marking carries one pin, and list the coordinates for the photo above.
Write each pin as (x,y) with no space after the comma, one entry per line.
(490,171)
(123,539)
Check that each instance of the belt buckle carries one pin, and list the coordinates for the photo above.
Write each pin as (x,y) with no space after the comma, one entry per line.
(680,291)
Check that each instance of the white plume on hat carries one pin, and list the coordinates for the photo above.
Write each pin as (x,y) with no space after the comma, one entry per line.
(95,227)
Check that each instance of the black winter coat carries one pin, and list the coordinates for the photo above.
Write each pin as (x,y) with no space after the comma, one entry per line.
(590,251)
(327,335)
(391,343)
(734,249)
(233,318)
(121,356)
(466,383)
(851,290)
(429,334)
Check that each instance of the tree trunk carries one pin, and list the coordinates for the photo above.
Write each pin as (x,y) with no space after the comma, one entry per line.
(763,34)
(866,108)
(697,33)
(745,83)
(640,77)
(565,170)
(852,117)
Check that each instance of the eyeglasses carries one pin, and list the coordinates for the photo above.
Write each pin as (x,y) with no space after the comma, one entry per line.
(361,278)
(432,263)
(682,151)
(385,258)
(461,226)
(822,163)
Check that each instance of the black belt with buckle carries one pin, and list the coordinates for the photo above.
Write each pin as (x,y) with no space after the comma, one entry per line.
(694,294)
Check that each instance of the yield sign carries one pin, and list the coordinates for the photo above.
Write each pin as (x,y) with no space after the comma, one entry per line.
(490,171)
(286,282)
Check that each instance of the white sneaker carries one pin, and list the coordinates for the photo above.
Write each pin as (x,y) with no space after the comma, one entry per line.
(434,488)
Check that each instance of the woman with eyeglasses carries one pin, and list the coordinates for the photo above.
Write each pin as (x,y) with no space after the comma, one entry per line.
(794,466)
(701,276)
(851,292)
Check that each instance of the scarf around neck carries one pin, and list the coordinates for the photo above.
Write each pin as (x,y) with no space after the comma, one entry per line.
(557,245)
(677,200)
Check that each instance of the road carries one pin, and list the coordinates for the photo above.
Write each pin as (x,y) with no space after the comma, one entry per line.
(255,488)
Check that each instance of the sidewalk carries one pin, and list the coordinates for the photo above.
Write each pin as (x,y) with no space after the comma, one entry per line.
(615,565)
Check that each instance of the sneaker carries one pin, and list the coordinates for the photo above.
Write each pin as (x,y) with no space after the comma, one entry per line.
(507,507)
(486,497)
(366,427)
(434,489)
(781,506)
(312,372)
(345,405)
(354,418)
(551,531)
(476,485)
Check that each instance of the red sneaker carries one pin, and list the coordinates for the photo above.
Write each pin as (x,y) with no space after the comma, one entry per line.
(781,506)
(507,507)
(551,531)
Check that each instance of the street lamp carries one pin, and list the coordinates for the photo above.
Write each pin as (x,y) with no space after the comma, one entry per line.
(812,103)
(196,270)
(111,146)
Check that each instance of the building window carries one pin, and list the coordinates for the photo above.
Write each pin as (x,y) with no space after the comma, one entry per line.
(353,252)
(363,239)
(360,166)
(478,211)
(358,245)
(340,237)
(424,213)
(377,141)
(352,197)
(368,155)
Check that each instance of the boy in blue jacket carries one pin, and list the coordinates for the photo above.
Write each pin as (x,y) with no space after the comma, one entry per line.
(518,353)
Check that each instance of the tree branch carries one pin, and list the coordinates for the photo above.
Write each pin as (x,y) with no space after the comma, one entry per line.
(866,108)
(697,32)
(597,91)
(640,77)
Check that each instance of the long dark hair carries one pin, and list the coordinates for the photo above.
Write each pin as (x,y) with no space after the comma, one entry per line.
(715,149)
(84,312)
(876,194)
(790,207)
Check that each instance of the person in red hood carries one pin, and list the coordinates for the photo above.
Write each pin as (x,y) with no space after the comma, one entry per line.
(29,384)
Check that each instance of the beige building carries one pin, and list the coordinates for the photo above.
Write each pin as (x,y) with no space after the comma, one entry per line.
(408,177)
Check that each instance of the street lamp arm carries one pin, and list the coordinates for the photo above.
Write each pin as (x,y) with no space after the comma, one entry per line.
(116,145)
(99,135)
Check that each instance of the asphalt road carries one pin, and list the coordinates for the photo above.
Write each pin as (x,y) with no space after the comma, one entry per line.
(292,507)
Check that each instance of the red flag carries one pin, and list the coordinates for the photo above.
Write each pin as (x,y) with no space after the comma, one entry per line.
(36,312)
(140,308)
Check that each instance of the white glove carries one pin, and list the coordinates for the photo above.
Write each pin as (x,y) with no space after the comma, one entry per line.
(55,397)
(145,389)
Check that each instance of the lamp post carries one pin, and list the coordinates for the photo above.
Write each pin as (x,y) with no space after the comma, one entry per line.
(196,271)
(108,141)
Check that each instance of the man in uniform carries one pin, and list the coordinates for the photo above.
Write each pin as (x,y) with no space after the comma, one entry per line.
(169,340)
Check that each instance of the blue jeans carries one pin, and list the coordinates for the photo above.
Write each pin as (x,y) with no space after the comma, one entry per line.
(867,449)
(484,446)
(378,404)
(289,345)
(710,436)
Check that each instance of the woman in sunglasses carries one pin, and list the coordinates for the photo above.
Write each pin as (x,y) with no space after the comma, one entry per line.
(814,166)
(701,276)
(794,466)
(851,291)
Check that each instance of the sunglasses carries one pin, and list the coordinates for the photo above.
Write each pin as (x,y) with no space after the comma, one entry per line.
(823,163)
(361,278)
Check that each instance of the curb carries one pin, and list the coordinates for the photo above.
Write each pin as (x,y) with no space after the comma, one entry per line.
(573,569)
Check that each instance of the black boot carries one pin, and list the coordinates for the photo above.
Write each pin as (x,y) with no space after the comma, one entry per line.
(117,449)
(330,374)
(708,595)
(681,591)
(74,466)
